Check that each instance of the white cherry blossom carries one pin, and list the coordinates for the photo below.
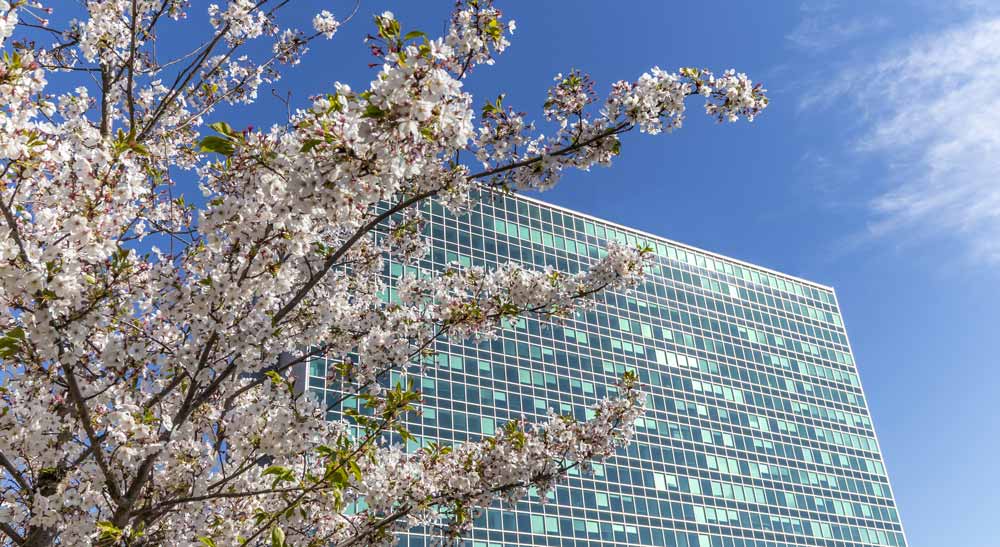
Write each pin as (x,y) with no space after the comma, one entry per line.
(325,23)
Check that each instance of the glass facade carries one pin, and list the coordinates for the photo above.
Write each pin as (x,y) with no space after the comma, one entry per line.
(757,432)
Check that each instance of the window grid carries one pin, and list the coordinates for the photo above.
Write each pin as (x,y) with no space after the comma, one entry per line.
(750,440)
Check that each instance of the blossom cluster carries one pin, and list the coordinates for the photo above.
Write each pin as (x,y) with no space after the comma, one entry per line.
(653,103)
(438,489)
(735,97)
(8,20)
(242,19)
(473,301)
(569,96)
(324,22)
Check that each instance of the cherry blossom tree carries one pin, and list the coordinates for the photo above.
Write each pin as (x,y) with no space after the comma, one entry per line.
(141,398)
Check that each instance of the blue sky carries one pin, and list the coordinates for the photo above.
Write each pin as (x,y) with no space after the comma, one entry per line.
(874,170)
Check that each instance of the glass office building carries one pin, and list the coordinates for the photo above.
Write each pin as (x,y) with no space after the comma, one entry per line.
(757,433)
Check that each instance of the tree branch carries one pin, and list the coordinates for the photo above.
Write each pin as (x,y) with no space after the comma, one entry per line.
(11,533)
(84,416)
(14,473)
(14,233)
(333,258)
(105,104)
(129,98)
(620,128)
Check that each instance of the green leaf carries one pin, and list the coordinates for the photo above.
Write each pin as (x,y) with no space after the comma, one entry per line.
(206,541)
(493,29)
(281,474)
(310,144)
(276,378)
(336,104)
(387,28)
(139,148)
(260,516)
(339,478)
(344,368)
(48,474)
(355,469)
(404,434)
(225,129)
(10,343)
(108,530)
(275,470)
(372,111)
(277,537)
(494,108)
(414,34)
(217,144)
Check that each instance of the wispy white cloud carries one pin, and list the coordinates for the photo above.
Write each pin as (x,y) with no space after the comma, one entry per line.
(823,27)
(930,110)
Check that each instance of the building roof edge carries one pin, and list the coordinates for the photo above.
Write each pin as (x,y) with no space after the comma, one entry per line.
(676,243)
